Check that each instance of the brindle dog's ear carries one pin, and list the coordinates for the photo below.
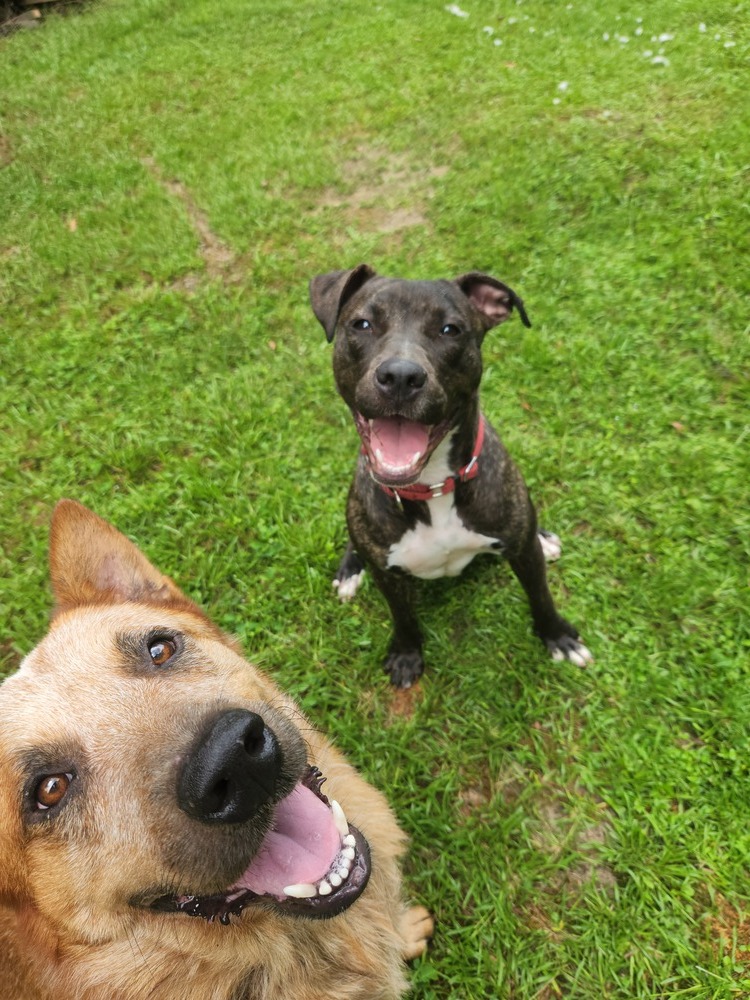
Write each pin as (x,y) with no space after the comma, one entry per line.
(329,292)
(492,297)
(91,562)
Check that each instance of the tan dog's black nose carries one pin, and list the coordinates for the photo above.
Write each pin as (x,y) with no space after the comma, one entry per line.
(233,770)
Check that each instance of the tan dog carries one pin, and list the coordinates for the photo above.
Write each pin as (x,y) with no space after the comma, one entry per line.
(163,834)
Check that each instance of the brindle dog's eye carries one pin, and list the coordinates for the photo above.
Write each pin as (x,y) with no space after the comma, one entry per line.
(160,650)
(362,324)
(51,790)
(450,330)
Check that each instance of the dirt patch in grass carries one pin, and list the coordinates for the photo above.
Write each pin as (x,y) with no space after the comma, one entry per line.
(559,827)
(545,906)
(571,838)
(728,931)
(471,799)
(537,917)
(403,702)
(381,191)
(220,260)
(563,824)
(6,152)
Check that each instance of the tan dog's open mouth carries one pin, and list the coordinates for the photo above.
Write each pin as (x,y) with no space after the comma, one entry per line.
(311,863)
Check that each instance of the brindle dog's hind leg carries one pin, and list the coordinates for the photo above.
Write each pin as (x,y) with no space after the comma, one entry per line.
(557,634)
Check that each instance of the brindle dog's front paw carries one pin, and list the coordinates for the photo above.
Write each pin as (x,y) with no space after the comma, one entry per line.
(350,574)
(551,545)
(568,647)
(404,669)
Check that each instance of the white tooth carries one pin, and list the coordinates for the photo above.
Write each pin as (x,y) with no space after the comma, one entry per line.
(343,871)
(335,879)
(303,890)
(324,888)
(339,818)
(348,853)
(379,454)
(349,840)
(416,457)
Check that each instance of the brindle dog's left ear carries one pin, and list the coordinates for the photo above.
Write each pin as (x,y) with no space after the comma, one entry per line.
(492,297)
(329,292)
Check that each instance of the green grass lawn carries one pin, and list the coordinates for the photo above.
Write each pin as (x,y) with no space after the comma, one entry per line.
(171,176)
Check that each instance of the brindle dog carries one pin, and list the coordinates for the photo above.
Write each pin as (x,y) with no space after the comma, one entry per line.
(434,485)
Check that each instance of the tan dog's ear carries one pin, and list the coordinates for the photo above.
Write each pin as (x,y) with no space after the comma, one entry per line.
(91,562)
(329,292)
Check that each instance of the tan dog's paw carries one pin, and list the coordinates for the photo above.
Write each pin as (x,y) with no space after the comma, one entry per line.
(416,930)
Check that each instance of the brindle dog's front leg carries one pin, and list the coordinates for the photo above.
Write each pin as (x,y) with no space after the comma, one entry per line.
(349,574)
(404,663)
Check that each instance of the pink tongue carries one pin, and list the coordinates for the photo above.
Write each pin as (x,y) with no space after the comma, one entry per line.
(300,848)
(394,443)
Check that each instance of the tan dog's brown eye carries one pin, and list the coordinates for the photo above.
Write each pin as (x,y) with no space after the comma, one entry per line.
(52,790)
(161,650)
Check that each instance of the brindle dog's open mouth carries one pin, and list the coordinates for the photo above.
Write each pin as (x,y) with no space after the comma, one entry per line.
(398,449)
(312,863)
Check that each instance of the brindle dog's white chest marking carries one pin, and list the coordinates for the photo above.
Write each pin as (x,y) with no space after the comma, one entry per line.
(442,548)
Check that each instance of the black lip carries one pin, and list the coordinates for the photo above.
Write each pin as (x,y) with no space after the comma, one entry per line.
(222,906)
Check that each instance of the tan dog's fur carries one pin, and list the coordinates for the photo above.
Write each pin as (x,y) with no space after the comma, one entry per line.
(68,930)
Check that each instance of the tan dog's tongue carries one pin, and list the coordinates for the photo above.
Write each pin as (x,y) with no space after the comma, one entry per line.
(396,445)
(301,847)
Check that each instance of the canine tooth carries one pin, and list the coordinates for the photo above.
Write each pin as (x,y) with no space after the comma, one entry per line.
(416,457)
(349,840)
(348,853)
(324,888)
(302,890)
(335,879)
(339,818)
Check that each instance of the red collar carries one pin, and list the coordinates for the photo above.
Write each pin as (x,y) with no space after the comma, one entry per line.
(420,491)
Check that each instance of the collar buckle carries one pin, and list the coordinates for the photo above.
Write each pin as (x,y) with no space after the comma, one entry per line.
(466,472)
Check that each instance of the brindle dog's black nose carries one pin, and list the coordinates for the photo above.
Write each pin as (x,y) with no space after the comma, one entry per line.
(400,378)
(232,771)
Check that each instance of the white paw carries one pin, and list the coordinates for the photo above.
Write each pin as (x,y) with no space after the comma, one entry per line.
(551,545)
(567,648)
(347,589)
